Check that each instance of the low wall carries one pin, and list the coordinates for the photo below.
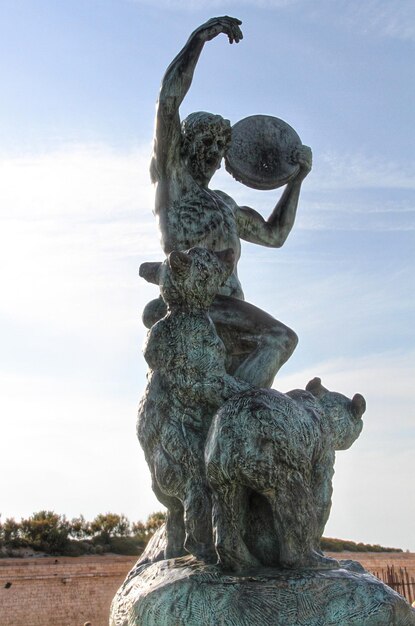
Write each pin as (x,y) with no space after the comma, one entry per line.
(70,591)
(60,591)
(376,561)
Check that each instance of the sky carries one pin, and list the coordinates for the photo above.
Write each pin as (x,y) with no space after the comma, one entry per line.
(79,85)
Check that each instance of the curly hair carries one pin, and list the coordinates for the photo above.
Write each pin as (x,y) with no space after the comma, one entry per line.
(193,125)
(200,122)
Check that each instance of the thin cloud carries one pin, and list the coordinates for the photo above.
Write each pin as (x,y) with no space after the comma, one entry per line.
(392,19)
(356,171)
(194,5)
(77,427)
(388,18)
(384,375)
(76,182)
(337,214)
(73,221)
(359,192)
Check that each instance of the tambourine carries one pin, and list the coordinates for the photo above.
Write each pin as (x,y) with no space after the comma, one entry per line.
(261,152)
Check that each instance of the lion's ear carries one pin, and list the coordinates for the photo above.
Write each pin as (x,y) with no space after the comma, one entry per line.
(179,262)
(358,405)
(316,388)
(150,272)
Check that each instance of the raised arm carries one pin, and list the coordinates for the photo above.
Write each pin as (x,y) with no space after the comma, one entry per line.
(274,231)
(175,85)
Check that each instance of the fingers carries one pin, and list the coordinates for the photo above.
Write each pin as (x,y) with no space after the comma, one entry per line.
(303,156)
(306,153)
(229,26)
(234,32)
(306,157)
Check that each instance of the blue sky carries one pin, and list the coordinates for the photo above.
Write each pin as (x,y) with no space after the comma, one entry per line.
(79,84)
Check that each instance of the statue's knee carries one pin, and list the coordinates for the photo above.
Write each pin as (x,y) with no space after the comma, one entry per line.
(283,338)
(292,339)
(153,312)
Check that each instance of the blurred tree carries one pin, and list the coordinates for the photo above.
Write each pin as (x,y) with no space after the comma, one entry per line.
(47,531)
(139,531)
(154,521)
(80,528)
(10,533)
(108,525)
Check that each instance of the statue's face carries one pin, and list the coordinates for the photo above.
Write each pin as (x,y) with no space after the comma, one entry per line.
(206,152)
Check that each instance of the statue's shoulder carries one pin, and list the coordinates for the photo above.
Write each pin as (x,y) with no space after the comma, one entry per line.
(227,203)
(228,200)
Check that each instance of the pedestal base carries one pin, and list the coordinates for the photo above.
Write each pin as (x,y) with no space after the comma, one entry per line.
(185,592)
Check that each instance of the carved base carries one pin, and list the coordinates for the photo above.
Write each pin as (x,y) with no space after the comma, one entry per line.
(185,592)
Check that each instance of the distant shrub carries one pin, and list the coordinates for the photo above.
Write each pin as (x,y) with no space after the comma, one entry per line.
(108,525)
(45,531)
(80,528)
(78,548)
(10,535)
(342,545)
(126,545)
(51,533)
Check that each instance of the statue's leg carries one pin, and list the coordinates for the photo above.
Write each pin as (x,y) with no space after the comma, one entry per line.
(174,523)
(154,311)
(228,512)
(322,490)
(295,520)
(258,344)
(175,530)
(198,521)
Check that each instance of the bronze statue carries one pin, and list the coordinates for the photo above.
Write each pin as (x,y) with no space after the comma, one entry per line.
(244,471)
(186,156)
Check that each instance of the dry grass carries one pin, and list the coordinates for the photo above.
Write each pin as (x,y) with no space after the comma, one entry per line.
(397,569)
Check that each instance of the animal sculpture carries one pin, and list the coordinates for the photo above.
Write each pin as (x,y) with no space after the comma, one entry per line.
(269,459)
(187,383)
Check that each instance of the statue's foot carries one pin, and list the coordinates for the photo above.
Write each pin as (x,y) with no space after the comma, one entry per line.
(235,559)
(202,551)
(174,552)
(320,560)
(352,566)
(314,560)
(209,557)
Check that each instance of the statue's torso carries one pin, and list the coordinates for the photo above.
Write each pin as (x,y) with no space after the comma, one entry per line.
(190,215)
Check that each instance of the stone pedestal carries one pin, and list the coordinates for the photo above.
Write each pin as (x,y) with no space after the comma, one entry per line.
(185,592)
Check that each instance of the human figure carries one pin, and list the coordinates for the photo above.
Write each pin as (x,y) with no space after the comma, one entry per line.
(186,156)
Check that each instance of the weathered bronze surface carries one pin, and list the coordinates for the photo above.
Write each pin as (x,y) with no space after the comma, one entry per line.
(263,152)
(244,471)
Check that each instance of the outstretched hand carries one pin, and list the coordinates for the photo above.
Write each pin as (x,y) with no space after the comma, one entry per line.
(227,25)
